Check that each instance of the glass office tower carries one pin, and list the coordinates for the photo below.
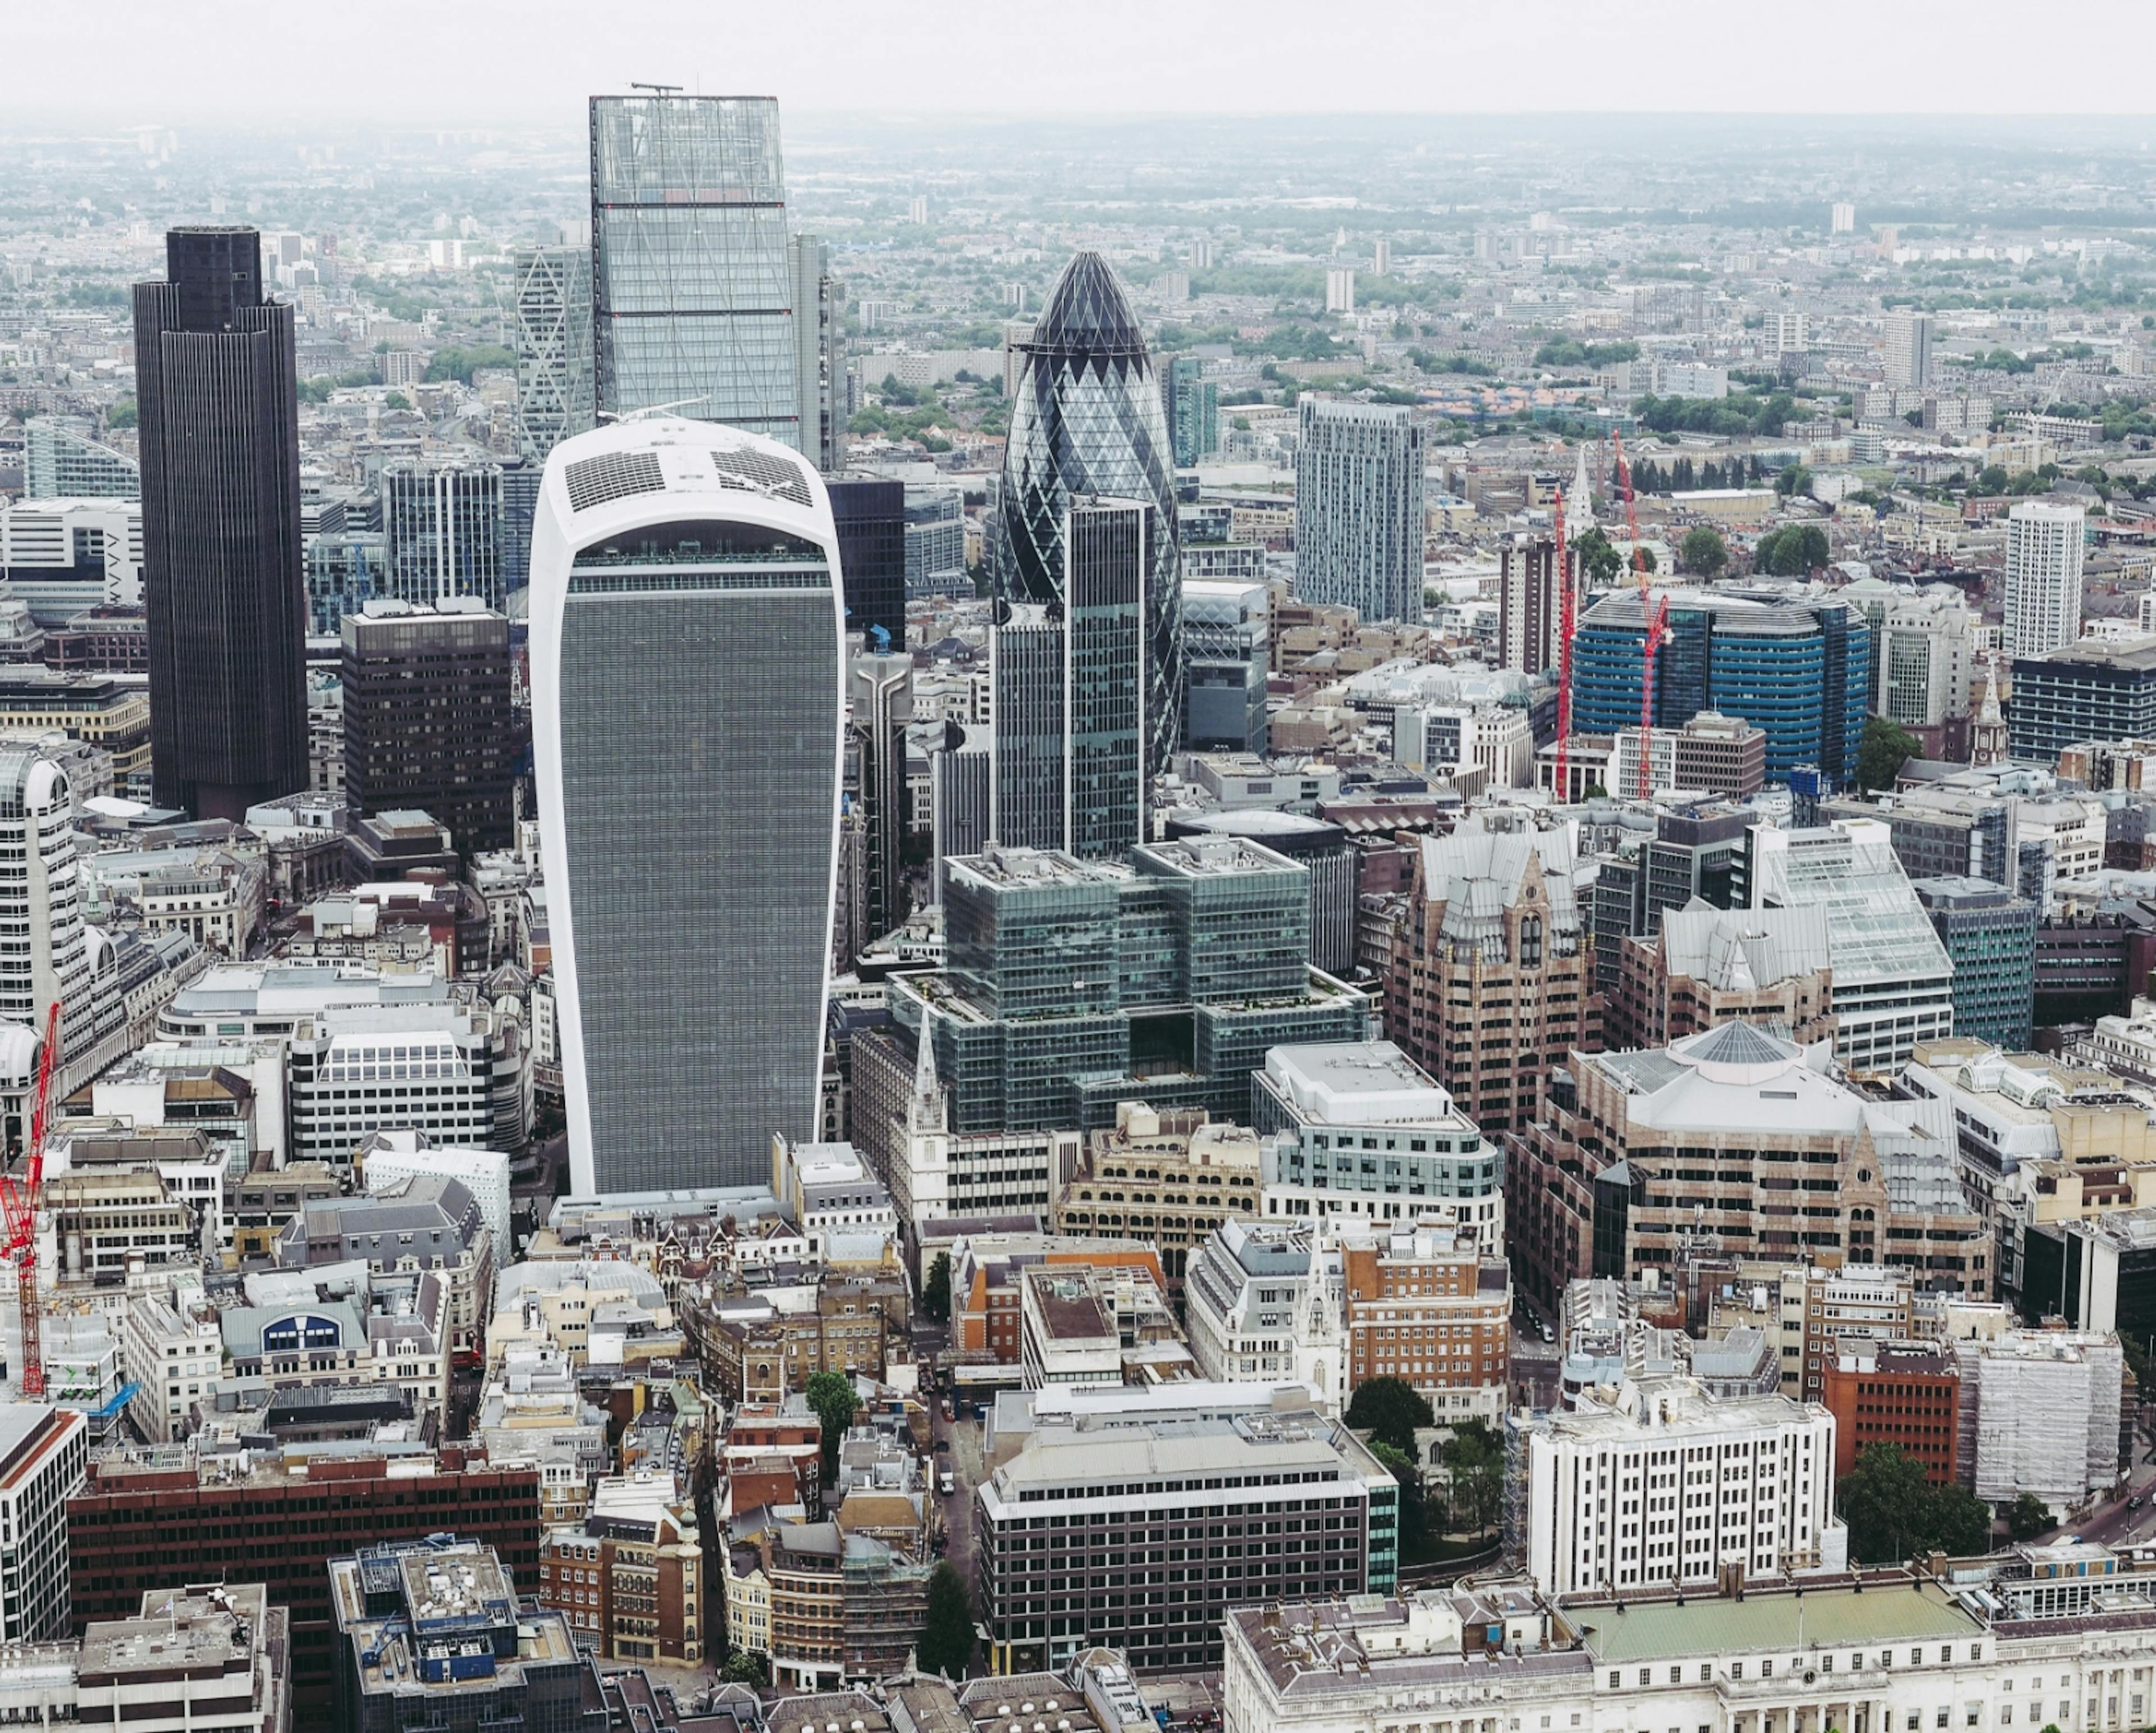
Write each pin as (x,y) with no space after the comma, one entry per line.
(554,389)
(692,279)
(687,733)
(443,522)
(1087,421)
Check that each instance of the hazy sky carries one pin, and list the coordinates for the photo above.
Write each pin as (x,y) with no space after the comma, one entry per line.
(115,63)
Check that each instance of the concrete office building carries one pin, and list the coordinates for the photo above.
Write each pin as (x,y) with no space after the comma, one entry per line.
(2044,548)
(720,547)
(429,721)
(1991,938)
(2089,691)
(1739,1139)
(1357,1132)
(1591,1473)
(880,708)
(1072,722)
(228,614)
(1086,423)
(1358,508)
(556,396)
(423,1626)
(44,1457)
(1087,1583)
(65,556)
(441,523)
(2039,1413)
(1530,604)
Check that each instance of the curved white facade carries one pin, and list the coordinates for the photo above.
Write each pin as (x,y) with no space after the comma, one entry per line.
(687,645)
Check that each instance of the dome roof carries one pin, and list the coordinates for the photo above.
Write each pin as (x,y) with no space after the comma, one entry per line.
(1087,314)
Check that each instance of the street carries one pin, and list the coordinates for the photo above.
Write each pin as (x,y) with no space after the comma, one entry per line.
(2113,1524)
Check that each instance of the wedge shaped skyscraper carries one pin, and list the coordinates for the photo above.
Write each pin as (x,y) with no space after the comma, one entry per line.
(688,726)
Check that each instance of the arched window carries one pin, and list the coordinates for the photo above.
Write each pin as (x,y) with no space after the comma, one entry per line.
(1530,941)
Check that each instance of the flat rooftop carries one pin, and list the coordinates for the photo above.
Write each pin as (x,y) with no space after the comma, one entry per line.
(1826,1617)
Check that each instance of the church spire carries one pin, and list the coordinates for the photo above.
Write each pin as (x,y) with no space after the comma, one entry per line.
(1579,503)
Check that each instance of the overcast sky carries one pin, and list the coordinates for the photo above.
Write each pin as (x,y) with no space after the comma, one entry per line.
(443,62)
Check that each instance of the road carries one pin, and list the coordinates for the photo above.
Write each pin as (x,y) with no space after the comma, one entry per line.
(964,1462)
(2113,1524)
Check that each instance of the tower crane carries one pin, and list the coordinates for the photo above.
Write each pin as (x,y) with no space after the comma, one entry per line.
(21,1195)
(1564,626)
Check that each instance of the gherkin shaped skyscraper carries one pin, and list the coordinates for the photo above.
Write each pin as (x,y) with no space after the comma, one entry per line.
(1088,423)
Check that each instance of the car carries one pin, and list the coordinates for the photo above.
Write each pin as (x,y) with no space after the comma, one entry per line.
(942,1447)
(1548,1334)
(2136,1502)
(947,1483)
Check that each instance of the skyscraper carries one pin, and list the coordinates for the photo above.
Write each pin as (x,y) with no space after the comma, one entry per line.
(692,278)
(555,395)
(819,350)
(1193,408)
(882,705)
(427,718)
(1359,508)
(871,519)
(2044,546)
(1071,714)
(217,398)
(1530,604)
(1086,420)
(1909,348)
(443,521)
(686,642)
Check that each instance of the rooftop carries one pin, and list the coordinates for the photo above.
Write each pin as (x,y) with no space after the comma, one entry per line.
(1821,1617)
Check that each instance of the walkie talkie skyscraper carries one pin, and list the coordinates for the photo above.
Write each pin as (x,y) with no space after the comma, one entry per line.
(687,732)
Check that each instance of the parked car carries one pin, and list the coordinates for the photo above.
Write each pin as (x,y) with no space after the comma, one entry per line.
(947,1483)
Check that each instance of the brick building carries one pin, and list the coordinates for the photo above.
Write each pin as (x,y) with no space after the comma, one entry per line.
(137,1527)
(1491,980)
(1425,1306)
(1904,1393)
(629,1577)
(1706,967)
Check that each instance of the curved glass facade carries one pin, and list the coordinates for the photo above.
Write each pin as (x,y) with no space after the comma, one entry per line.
(1088,421)
(1797,670)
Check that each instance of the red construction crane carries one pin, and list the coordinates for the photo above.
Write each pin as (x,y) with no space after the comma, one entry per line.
(1565,623)
(1654,621)
(20,1196)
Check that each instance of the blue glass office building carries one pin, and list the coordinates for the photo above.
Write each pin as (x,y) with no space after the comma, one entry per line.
(1798,670)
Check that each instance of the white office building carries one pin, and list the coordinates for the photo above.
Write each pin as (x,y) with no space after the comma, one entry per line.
(391,1158)
(1264,1300)
(44,1454)
(2044,548)
(1655,1483)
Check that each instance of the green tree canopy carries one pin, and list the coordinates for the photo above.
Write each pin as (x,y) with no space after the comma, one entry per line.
(1474,1459)
(459,363)
(1389,1409)
(946,1635)
(935,1291)
(1894,1514)
(1886,747)
(122,414)
(1703,553)
(1791,550)
(747,1666)
(1600,562)
(2028,1517)
(831,1395)
(1794,481)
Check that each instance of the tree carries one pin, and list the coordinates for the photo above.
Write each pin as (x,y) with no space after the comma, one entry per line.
(1414,1504)
(1643,557)
(1474,1459)
(122,414)
(1599,562)
(1894,1514)
(831,1395)
(1390,1409)
(1794,481)
(946,1635)
(396,400)
(1791,550)
(747,1666)
(2028,1517)
(1886,747)
(935,1291)
(1703,553)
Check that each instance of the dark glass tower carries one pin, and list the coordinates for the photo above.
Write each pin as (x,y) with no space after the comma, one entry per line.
(1088,421)
(871,520)
(222,578)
